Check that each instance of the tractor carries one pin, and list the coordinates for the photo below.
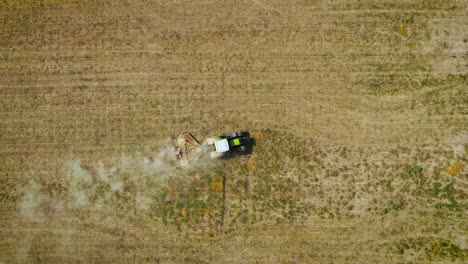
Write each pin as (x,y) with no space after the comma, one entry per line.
(189,150)
(227,145)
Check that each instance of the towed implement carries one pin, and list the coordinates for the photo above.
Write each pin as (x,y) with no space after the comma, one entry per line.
(187,148)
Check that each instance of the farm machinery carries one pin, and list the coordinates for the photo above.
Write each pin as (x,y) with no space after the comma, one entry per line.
(189,150)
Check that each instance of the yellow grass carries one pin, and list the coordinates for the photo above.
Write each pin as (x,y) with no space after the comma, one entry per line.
(358,109)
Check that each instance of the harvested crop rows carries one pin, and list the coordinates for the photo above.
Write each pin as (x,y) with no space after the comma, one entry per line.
(359,110)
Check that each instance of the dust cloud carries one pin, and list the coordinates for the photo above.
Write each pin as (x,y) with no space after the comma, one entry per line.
(95,187)
(30,205)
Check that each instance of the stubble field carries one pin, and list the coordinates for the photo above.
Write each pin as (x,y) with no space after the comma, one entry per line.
(359,110)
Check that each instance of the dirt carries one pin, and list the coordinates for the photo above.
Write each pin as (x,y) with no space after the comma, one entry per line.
(358,108)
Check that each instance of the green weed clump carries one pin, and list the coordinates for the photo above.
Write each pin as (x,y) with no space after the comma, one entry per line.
(444,249)
(415,173)
(432,249)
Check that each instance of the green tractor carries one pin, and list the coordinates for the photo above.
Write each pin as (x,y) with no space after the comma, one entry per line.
(227,145)
(189,150)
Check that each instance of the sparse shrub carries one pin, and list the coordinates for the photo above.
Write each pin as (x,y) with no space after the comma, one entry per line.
(454,168)
(251,165)
(324,212)
(415,172)
(435,191)
(387,185)
(402,30)
(448,193)
(395,204)
(445,249)
(332,173)
(184,212)
(217,186)
(391,90)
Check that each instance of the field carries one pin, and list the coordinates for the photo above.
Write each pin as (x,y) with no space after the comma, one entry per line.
(359,110)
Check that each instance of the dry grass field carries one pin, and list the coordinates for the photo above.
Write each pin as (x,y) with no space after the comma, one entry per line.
(359,109)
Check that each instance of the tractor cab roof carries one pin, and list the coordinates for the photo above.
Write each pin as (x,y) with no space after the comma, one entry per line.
(222,145)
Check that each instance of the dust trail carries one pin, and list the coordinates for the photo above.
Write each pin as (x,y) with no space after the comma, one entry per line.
(64,241)
(94,184)
(98,189)
(102,190)
(32,208)
(78,178)
(23,247)
(30,205)
(109,176)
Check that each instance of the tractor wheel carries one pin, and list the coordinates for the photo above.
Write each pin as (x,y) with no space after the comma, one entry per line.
(211,141)
(237,134)
(243,134)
